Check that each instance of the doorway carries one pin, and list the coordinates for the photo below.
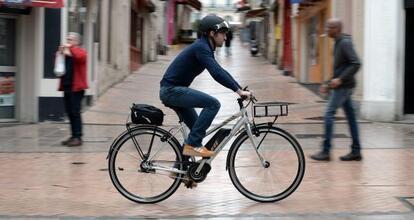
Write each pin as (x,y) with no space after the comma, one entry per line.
(8,69)
(409,64)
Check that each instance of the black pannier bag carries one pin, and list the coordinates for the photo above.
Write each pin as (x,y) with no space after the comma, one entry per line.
(146,114)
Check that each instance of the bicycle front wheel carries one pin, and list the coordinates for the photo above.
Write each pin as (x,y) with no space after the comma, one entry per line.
(276,175)
(140,164)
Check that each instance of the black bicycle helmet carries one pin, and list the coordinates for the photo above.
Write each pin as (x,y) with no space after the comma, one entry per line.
(213,23)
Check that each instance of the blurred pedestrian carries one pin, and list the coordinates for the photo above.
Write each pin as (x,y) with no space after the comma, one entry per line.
(73,84)
(227,44)
(340,87)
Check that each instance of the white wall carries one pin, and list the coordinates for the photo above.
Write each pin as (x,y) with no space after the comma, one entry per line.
(384,60)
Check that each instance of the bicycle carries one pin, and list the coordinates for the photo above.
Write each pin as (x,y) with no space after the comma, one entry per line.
(259,151)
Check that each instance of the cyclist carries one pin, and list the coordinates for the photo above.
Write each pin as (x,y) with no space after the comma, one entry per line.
(191,62)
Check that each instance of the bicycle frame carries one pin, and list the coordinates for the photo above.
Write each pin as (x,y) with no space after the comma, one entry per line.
(243,119)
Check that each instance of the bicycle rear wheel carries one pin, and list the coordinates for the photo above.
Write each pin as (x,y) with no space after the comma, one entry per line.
(280,175)
(145,180)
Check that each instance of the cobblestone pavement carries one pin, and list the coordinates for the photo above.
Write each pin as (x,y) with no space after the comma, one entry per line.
(40,179)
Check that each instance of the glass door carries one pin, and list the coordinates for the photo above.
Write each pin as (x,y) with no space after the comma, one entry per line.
(7,68)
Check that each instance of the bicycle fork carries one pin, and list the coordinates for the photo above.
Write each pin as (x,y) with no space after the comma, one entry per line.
(255,145)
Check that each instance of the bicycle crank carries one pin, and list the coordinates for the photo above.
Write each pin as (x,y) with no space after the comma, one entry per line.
(201,176)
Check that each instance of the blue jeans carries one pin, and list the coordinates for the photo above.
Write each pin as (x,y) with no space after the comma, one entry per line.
(183,100)
(341,98)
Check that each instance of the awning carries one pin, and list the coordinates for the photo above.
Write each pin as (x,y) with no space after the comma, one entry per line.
(32,3)
(194,3)
(260,12)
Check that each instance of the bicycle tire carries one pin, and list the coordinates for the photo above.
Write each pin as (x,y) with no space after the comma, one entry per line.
(124,141)
(235,176)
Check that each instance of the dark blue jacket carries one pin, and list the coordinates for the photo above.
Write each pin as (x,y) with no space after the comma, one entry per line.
(192,61)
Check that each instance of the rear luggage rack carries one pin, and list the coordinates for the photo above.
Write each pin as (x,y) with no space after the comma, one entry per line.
(270,109)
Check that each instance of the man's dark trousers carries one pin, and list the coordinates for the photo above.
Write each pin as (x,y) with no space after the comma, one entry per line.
(73,109)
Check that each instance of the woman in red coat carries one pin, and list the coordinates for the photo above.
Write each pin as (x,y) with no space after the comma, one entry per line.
(73,83)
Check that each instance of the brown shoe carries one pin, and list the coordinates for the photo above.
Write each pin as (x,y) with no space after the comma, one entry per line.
(74,142)
(65,142)
(197,151)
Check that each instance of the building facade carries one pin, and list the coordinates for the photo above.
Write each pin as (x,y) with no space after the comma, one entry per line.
(30,36)
(382,38)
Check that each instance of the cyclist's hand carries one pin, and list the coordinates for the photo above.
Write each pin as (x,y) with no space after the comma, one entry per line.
(244,94)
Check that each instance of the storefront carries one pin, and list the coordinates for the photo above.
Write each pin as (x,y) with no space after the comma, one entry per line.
(30,33)
(21,58)
(81,16)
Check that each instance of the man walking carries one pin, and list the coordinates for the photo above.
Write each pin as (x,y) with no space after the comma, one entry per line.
(73,83)
(346,64)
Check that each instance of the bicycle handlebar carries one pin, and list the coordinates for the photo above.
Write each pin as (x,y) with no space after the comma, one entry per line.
(244,98)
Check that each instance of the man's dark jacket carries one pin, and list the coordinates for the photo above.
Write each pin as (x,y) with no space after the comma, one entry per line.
(346,61)
(191,62)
